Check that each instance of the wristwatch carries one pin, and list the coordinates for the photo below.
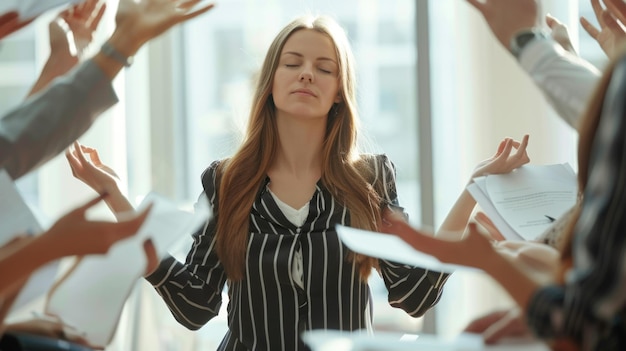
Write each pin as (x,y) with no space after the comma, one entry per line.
(522,38)
(108,50)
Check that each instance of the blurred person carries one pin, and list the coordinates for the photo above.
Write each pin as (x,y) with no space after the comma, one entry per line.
(581,302)
(70,104)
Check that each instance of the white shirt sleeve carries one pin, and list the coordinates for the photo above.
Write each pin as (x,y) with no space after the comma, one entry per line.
(566,80)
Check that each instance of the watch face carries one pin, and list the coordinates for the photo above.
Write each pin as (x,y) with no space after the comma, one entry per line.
(524,39)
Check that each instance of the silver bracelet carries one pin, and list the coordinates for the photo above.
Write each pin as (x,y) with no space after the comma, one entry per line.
(108,50)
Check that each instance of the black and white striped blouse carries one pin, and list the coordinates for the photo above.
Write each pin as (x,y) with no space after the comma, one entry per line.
(268,310)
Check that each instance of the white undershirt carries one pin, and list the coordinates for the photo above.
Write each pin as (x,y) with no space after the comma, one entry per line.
(297,217)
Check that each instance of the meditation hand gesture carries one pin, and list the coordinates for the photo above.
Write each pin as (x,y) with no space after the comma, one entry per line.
(505,160)
(86,166)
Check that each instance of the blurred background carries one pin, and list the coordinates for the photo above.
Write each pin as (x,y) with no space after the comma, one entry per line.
(436,93)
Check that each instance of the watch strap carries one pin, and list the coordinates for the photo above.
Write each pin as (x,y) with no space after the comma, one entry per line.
(108,50)
(522,38)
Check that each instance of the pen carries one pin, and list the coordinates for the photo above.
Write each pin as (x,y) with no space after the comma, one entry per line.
(551,219)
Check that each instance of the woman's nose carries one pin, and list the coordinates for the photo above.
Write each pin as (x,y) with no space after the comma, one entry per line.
(306,74)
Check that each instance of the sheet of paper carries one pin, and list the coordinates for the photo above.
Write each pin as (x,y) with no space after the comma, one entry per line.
(17,218)
(490,210)
(32,8)
(531,198)
(392,248)
(15,215)
(92,296)
(334,340)
(524,203)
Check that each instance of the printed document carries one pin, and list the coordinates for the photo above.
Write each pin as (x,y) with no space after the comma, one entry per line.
(524,203)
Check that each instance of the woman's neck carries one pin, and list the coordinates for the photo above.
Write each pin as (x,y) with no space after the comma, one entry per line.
(299,146)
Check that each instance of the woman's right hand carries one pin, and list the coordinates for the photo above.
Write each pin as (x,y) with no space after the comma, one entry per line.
(86,166)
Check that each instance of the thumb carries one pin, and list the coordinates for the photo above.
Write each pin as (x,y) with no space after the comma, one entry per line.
(552,22)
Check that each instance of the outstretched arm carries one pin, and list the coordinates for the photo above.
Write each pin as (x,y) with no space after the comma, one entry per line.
(566,80)
(504,161)
(73,234)
(70,33)
(69,105)
(87,167)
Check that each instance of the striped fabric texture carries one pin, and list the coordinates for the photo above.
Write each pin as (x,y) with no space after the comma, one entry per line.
(267,310)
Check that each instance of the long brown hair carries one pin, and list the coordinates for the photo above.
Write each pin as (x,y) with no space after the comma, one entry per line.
(344,173)
(587,132)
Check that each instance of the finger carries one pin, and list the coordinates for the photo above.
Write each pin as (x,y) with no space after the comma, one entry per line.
(521,148)
(612,23)
(93,154)
(195,13)
(80,155)
(486,222)
(8,17)
(501,147)
(481,324)
(617,9)
(597,10)
(187,4)
(508,146)
(152,259)
(508,325)
(552,21)
(95,21)
(87,10)
(75,164)
(589,28)
(478,6)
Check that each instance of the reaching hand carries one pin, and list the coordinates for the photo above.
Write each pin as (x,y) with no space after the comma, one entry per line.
(482,219)
(560,34)
(72,30)
(497,325)
(48,328)
(140,21)
(92,171)
(507,17)
(11,22)
(537,260)
(612,32)
(504,161)
(74,234)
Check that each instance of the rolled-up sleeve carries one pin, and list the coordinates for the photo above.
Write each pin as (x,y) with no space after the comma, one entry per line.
(48,122)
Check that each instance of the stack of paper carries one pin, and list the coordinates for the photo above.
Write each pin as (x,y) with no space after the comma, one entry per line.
(91,296)
(524,203)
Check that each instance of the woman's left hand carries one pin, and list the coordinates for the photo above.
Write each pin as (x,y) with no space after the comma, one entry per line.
(506,159)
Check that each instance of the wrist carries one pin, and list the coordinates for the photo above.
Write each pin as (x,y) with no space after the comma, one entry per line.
(125,41)
(523,37)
